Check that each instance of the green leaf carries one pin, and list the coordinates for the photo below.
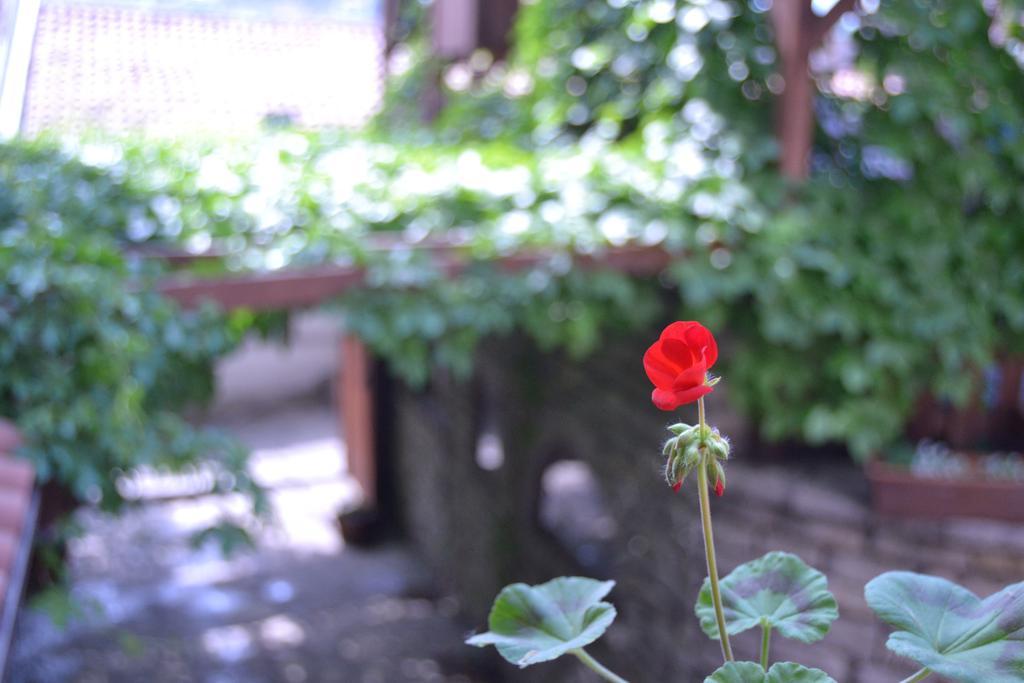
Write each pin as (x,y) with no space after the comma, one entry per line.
(532,624)
(950,630)
(781,672)
(777,588)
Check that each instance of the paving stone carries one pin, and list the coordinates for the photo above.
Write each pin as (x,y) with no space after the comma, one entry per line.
(986,534)
(821,503)
(887,671)
(850,596)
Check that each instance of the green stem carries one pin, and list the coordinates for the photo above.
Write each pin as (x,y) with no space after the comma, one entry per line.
(709,543)
(596,666)
(766,639)
(919,676)
(700,416)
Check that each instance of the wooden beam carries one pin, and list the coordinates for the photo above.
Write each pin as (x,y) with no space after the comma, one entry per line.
(354,398)
(312,286)
(798,31)
(495,26)
(265,291)
(353,386)
(822,25)
(453,28)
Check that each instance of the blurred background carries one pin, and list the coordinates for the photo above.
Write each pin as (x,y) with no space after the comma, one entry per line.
(322,320)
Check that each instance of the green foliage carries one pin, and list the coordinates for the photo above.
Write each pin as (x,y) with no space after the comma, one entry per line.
(781,672)
(95,367)
(949,630)
(534,624)
(778,591)
(611,69)
(841,314)
(894,271)
(614,67)
(841,317)
(440,325)
(59,606)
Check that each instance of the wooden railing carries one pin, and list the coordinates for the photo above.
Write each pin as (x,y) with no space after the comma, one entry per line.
(301,288)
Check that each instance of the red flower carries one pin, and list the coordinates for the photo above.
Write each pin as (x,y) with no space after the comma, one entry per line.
(719,488)
(678,364)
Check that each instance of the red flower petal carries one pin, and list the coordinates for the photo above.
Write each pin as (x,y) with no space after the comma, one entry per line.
(678,362)
(664,399)
(689,378)
(680,353)
(690,395)
(701,339)
(660,370)
(719,488)
(679,329)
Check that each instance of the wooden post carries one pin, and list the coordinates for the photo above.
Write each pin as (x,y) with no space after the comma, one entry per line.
(453,25)
(798,31)
(495,24)
(392,10)
(457,28)
(355,412)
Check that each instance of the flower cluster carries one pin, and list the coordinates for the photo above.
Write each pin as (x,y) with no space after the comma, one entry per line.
(692,447)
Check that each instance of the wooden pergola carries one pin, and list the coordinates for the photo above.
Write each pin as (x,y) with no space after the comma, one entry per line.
(458,27)
(355,381)
(798,32)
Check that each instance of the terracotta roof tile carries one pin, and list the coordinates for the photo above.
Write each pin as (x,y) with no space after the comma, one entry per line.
(122,68)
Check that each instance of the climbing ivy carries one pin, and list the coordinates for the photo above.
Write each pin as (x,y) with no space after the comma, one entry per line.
(895,270)
(95,367)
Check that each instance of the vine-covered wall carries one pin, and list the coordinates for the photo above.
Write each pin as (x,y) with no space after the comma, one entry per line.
(479,520)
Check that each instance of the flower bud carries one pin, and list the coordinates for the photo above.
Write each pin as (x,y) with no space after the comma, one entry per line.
(719,478)
(675,471)
(718,446)
(692,447)
(691,455)
(678,428)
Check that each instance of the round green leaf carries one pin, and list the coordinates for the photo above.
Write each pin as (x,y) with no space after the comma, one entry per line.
(532,624)
(781,672)
(779,589)
(948,629)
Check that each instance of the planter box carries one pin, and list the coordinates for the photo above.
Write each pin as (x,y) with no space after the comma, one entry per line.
(899,492)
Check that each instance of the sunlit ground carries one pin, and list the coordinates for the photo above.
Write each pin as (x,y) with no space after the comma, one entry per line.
(302,607)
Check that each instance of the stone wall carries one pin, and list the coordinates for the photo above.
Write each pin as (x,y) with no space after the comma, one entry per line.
(480,526)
